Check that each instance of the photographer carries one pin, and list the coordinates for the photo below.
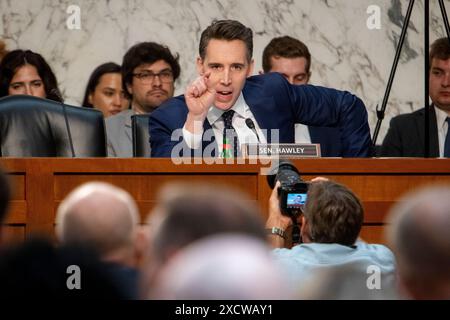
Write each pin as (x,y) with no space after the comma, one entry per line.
(330,224)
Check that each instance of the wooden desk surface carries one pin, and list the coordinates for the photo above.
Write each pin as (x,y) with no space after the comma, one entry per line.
(39,184)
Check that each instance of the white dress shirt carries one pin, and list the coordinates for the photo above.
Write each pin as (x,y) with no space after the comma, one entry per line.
(442,127)
(214,116)
(302,133)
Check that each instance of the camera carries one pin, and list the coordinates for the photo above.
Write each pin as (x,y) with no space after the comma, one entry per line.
(293,190)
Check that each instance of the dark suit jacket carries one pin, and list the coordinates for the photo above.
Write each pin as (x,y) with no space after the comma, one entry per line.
(406,135)
(329,139)
(275,104)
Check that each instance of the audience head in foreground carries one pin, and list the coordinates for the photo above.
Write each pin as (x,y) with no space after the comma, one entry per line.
(189,212)
(420,239)
(37,270)
(186,213)
(225,266)
(102,217)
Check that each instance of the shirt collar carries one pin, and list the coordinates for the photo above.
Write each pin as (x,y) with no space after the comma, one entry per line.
(239,107)
(441,116)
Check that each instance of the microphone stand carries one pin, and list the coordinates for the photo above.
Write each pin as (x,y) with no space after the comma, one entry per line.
(381,112)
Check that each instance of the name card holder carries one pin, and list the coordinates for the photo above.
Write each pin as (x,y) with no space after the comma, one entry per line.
(281,150)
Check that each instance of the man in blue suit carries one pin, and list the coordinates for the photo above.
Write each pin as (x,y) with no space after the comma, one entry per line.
(261,108)
(291,58)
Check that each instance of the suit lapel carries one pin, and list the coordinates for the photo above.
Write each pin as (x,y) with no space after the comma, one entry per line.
(434,141)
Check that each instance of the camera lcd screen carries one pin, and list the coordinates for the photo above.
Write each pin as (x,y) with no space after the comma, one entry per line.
(295,200)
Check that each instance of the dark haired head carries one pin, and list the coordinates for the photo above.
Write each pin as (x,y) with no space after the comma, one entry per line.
(285,47)
(334,213)
(15,59)
(227,30)
(194,211)
(440,49)
(94,79)
(143,53)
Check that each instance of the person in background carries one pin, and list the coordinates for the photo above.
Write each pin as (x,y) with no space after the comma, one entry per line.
(27,72)
(406,134)
(420,238)
(104,90)
(149,71)
(291,58)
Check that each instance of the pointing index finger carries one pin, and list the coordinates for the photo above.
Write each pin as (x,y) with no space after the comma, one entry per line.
(207,81)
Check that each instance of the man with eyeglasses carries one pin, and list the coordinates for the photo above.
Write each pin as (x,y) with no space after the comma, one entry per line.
(149,71)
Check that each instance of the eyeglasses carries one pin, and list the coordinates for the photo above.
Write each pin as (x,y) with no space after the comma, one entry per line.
(147,77)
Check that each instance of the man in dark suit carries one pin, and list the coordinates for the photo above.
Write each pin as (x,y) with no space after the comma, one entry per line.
(291,58)
(223,100)
(406,134)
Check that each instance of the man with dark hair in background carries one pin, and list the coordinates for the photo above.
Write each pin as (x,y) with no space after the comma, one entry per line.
(406,133)
(291,58)
(224,107)
(149,71)
(330,225)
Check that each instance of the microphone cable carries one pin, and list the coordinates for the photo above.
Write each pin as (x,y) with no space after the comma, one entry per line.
(56,92)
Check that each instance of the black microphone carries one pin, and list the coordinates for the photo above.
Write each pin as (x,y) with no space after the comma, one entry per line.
(249,122)
(56,93)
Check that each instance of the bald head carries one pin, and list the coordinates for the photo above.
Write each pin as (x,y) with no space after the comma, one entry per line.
(420,238)
(98,215)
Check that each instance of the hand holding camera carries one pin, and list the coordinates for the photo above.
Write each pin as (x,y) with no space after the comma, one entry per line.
(287,201)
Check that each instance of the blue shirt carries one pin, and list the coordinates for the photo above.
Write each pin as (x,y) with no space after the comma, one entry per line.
(301,263)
